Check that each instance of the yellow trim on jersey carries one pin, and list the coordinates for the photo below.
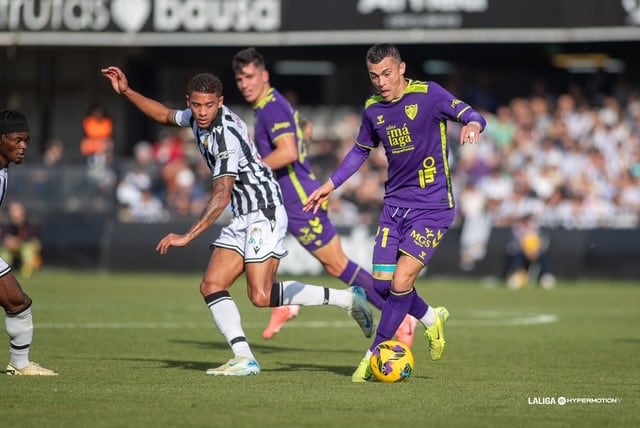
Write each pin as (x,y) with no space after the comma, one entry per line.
(296,184)
(270,97)
(282,135)
(447,172)
(374,99)
(416,86)
(413,87)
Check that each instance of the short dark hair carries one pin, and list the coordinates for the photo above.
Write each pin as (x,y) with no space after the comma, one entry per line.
(13,121)
(206,83)
(245,57)
(380,51)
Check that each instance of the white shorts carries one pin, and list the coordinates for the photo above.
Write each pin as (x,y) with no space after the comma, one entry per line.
(4,268)
(256,236)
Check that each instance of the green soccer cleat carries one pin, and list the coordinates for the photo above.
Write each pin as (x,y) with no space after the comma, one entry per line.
(435,334)
(33,369)
(361,312)
(236,367)
(363,372)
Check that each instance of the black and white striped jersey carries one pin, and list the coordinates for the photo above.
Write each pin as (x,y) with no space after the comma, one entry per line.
(229,151)
(4,177)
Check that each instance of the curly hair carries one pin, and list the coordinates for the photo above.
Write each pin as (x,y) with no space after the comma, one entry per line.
(206,83)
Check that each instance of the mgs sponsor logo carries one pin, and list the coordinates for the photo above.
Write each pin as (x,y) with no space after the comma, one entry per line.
(134,15)
(632,7)
(429,239)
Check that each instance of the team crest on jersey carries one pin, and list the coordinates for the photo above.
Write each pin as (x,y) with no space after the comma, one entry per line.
(255,239)
(455,103)
(411,111)
(380,119)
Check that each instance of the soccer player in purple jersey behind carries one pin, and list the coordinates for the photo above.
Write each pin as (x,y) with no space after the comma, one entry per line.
(281,144)
(14,141)
(409,118)
(253,242)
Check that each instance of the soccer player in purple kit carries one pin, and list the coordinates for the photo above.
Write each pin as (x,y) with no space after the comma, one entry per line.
(409,118)
(280,141)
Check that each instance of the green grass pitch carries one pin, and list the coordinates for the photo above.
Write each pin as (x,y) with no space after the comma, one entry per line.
(132,350)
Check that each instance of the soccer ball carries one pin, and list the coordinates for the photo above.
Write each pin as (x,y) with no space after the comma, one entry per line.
(392,361)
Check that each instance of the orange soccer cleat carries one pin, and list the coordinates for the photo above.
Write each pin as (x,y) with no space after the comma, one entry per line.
(279,318)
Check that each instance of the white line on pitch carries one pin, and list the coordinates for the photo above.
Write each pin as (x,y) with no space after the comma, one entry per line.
(519,320)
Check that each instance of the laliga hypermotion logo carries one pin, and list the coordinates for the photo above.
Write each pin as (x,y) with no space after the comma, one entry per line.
(130,15)
(633,9)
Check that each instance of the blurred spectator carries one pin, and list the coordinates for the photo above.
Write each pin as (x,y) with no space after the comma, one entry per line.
(97,145)
(20,241)
(141,186)
(169,147)
(148,208)
(344,213)
(182,189)
(476,226)
(54,153)
(528,255)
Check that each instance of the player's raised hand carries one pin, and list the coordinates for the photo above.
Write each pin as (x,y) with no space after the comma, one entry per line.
(118,79)
(470,133)
(319,196)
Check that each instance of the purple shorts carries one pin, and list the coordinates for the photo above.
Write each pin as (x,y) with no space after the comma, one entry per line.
(313,231)
(411,231)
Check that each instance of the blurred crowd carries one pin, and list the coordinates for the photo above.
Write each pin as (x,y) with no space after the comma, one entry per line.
(568,161)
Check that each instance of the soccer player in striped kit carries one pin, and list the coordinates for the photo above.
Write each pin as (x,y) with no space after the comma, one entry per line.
(253,242)
(14,141)
(409,118)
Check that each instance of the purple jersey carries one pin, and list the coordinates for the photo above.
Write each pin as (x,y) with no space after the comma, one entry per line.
(275,118)
(413,132)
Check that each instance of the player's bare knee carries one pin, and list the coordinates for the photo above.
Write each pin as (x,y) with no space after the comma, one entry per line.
(260,300)
(209,287)
(260,295)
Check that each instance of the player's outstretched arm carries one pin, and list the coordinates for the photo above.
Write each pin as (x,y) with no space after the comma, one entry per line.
(218,202)
(319,196)
(152,108)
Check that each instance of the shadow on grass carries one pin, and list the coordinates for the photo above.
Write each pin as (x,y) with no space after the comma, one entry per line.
(203,366)
(261,347)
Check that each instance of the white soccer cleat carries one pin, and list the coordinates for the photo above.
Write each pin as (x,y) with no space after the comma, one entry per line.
(236,367)
(33,369)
